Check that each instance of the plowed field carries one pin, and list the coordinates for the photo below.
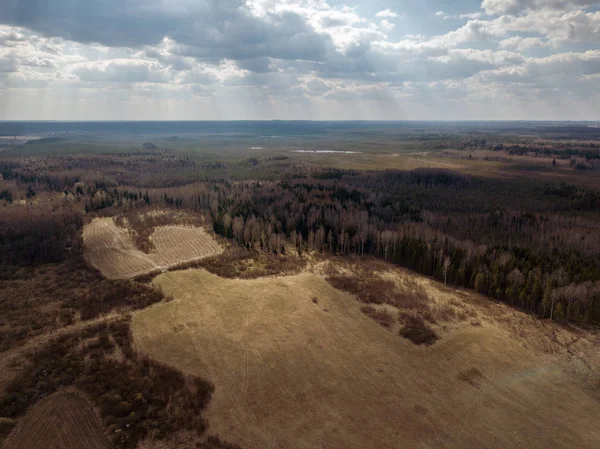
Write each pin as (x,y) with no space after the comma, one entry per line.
(60,421)
(111,250)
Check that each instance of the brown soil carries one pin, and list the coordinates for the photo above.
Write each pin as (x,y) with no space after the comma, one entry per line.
(111,250)
(60,421)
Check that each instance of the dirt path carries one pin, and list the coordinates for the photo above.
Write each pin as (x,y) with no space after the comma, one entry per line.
(13,360)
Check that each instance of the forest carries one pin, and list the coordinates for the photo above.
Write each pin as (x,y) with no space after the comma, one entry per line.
(533,245)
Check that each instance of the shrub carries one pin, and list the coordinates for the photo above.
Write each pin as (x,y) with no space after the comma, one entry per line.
(379,316)
(214,442)
(368,290)
(416,330)
(239,263)
(374,290)
(6,425)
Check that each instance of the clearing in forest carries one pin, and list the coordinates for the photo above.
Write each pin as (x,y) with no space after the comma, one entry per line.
(60,421)
(111,250)
(296,364)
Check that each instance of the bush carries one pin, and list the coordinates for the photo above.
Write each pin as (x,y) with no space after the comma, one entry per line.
(6,425)
(240,263)
(367,290)
(214,442)
(379,316)
(374,290)
(416,330)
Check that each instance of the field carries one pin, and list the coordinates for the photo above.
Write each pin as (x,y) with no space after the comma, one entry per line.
(300,324)
(482,163)
(111,250)
(296,364)
(61,421)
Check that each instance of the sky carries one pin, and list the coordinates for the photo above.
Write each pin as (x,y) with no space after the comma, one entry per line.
(299,59)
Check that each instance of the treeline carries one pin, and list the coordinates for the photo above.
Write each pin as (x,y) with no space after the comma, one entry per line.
(143,169)
(542,271)
(516,228)
(553,285)
(39,233)
(478,230)
(590,151)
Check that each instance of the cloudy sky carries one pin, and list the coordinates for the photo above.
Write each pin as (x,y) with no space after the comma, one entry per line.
(299,59)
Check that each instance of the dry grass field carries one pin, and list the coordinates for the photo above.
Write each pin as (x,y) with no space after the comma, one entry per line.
(110,249)
(498,165)
(60,421)
(296,364)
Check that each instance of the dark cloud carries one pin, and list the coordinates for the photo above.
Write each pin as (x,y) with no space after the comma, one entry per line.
(295,50)
(328,22)
(257,65)
(214,30)
(375,67)
(109,22)
(282,36)
(206,29)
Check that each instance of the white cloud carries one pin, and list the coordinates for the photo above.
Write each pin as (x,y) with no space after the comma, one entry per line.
(387,13)
(522,43)
(517,6)
(469,16)
(556,26)
(240,59)
(121,71)
(386,25)
(571,63)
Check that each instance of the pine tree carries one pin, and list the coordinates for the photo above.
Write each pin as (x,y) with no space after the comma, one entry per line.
(481,283)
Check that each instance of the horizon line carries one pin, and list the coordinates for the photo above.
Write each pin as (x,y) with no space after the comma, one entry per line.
(302,120)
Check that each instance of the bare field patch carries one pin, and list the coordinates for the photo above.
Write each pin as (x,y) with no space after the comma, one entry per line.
(293,372)
(60,421)
(111,250)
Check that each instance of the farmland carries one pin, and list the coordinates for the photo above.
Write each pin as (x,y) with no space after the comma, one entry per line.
(60,421)
(111,250)
(297,364)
